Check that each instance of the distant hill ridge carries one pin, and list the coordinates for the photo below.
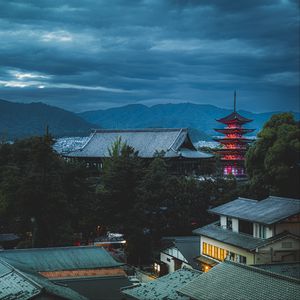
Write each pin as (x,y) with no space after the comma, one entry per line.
(200,117)
(19,120)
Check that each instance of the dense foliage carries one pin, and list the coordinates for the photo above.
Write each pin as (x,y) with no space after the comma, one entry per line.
(40,193)
(273,161)
(51,199)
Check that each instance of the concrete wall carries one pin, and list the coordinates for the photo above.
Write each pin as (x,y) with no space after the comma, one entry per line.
(290,227)
(284,250)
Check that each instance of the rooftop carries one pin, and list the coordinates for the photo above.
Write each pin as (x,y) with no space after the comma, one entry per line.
(234,117)
(229,237)
(164,287)
(268,211)
(189,247)
(148,142)
(20,285)
(233,281)
(291,269)
(61,258)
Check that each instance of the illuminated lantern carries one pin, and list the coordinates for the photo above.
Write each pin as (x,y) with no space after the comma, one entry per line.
(234,144)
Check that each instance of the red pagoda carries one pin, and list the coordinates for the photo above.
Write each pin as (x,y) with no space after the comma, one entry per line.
(234,145)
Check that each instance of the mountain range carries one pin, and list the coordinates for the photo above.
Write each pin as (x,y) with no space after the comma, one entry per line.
(201,117)
(18,120)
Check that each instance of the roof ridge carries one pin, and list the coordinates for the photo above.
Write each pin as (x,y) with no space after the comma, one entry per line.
(53,248)
(262,271)
(175,140)
(140,130)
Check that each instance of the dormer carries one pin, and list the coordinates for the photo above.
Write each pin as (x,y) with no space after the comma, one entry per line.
(260,219)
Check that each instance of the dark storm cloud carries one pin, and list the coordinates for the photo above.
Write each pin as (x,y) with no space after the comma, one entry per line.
(83,55)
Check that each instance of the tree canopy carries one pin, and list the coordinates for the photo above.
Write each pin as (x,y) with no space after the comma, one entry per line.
(273,160)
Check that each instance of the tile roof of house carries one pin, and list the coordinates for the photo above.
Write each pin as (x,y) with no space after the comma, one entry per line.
(163,288)
(61,258)
(291,269)
(148,142)
(233,281)
(229,237)
(189,247)
(21,285)
(268,211)
(7,237)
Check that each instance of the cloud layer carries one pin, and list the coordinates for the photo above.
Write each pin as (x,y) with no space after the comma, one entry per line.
(84,55)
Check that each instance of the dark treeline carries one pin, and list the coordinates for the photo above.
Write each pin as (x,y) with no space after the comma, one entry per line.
(48,200)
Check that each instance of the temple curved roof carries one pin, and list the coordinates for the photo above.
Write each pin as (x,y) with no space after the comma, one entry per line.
(173,142)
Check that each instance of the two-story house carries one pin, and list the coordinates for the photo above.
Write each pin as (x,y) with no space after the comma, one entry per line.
(252,232)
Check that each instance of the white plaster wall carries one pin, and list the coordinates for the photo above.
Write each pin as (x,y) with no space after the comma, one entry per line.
(240,251)
(223,221)
(235,225)
(171,265)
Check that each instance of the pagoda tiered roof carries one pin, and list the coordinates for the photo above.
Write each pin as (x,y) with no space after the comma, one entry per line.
(234,117)
(234,130)
(236,140)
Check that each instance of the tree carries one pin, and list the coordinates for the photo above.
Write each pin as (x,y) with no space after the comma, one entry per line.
(272,162)
(117,193)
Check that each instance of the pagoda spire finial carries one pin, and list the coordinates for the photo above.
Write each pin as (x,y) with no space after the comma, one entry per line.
(234,105)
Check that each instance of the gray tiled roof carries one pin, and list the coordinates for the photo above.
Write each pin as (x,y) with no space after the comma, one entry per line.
(146,141)
(163,288)
(291,269)
(229,237)
(232,281)
(59,259)
(19,285)
(267,211)
(189,247)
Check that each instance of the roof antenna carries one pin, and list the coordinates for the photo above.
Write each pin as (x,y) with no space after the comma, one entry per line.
(234,107)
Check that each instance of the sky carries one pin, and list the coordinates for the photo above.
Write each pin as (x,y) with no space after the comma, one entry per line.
(97,54)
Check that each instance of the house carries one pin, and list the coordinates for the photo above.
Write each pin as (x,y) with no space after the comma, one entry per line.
(177,253)
(163,288)
(229,280)
(174,145)
(252,232)
(20,284)
(89,270)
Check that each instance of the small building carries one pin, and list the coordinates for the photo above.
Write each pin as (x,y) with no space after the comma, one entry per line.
(175,146)
(163,288)
(229,280)
(179,252)
(252,232)
(21,284)
(89,270)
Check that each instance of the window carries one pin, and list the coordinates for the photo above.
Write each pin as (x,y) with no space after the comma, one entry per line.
(262,231)
(213,251)
(229,223)
(242,259)
(168,259)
